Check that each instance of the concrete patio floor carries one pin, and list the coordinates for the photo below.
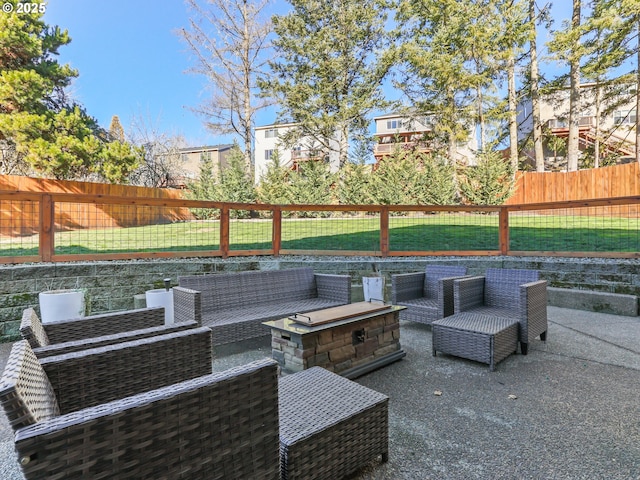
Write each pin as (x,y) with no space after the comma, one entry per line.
(570,409)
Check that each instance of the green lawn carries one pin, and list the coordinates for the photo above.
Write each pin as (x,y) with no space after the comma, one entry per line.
(438,232)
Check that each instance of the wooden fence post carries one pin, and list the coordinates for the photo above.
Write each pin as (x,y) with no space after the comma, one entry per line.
(503,231)
(384,231)
(224,231)
(47,227)
(276,232)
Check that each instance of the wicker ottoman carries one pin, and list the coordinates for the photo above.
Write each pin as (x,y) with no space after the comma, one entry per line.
(478,337)
(329,426)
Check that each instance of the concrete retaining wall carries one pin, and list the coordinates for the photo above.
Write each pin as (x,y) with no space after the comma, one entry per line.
(112,285)
(603,302)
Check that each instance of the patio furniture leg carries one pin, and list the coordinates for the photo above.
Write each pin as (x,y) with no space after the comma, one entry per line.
(524,348)
(543,336)
(385,457)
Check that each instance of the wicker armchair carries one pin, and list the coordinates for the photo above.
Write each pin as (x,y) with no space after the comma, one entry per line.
(65,336)
(507,293)
(492,314)
(144,409)
(427,295)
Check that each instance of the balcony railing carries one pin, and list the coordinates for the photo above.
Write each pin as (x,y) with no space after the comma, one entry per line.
(556,123)
(302,155)
(382,149)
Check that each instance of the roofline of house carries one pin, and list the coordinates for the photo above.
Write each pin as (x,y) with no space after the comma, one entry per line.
(275,125)
(205,148)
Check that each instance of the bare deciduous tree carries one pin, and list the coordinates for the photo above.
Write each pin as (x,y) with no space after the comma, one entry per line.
(161,166)
(229,39)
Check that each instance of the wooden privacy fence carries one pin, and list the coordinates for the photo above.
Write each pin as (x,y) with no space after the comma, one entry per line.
(85,215)
(604,182)
(189,228)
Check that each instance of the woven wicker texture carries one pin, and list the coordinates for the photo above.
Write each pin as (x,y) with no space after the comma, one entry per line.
(78,345)
(477,337)
(234,305)
(501,298)
(99,375)
(215,426)
(60,331)
(32,330)
(507,293)
(329,426)
(428,296)
(502,286)
(25,391)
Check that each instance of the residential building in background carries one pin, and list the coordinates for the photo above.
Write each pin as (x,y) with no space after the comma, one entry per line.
(616,124)
(191,158)
(395,130)
(271,138)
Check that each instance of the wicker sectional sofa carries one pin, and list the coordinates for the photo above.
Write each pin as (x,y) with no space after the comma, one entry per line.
(234,305)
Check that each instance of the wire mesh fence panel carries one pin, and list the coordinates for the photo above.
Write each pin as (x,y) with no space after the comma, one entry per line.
(250,230)
(347,231)
(82,228)
(19,228)
(45,227)
(443,231)
(576,230)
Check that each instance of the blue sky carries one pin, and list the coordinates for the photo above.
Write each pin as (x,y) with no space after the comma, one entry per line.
(133,64)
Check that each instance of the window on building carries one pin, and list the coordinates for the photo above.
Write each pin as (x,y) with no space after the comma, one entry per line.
(205,156)
(271,133)
(557,123)
(427,120)
(624,117)
(268,154)
(394,124)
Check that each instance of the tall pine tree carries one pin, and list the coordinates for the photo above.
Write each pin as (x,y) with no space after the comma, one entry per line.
(437,74)
(52,134)
(567,46)
(328,69)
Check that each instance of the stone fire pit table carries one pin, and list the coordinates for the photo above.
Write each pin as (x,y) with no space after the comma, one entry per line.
(350,340)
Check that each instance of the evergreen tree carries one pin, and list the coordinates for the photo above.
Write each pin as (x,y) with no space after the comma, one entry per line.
(627,37)
(435,57)
(434,182)
(490,182)
(567,46)
(116,132)
(275,184)
(513,36)
(328,69)
(354,186)
(534,85)
(51,134)
(312,184)
(235,183)
(392,182)
(205,187)
(604,35)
